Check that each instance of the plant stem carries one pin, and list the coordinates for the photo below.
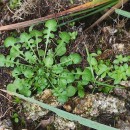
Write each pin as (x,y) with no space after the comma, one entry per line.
(50,83)
(33,52)
(104,84)
(19,63)
(64,62)
(91,68)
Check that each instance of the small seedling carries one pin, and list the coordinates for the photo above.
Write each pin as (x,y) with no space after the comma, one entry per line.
(107,70)
(73,35)
(14,3)
(15,117)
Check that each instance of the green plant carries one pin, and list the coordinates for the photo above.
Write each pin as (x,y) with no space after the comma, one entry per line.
(15,117)
(107,70)
(121,69)
(14,3)
(73,35)
(35,69)
(16,100)
(120,73)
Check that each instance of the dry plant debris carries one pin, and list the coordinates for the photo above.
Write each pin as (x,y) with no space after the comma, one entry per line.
(26,8)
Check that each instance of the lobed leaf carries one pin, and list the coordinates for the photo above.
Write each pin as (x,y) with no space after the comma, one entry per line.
(48,61)
(60,50)
(76,58)
(81,92)
(51,25)
(10,41)
(65,38)
(87,75)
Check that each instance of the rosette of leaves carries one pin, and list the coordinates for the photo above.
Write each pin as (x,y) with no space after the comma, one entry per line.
(121,69)
(116,70)
(35,69)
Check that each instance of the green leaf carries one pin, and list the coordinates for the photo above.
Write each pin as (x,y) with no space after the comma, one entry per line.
(36,33)
(25,91)
(24,37)
(15,53)
(70,78)
(11,88)
(15,115)
(16,72)
(65,38)
(76,58)
(93,61)
(9,61)
(107,89)
(10,41)
(81,92)
(85,82)
(60,50)
(125,59)
(48,61)
(62,82)
(123,13)
(124,76)
(102,68)
(51,25)
(71,91)
(16,120)
(66,60)
(73,35)
(57,69)
(54,81)
(87,75)
(119,59)
(78,73)
(103,75)
(116,61)
(28,73)
(62,98)
(41,52)
(50,53)
(128,72)
(30,57)
(2,60)
(125,66)
(18,83)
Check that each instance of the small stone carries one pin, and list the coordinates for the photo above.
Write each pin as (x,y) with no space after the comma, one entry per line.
(118,47)
(120,92)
